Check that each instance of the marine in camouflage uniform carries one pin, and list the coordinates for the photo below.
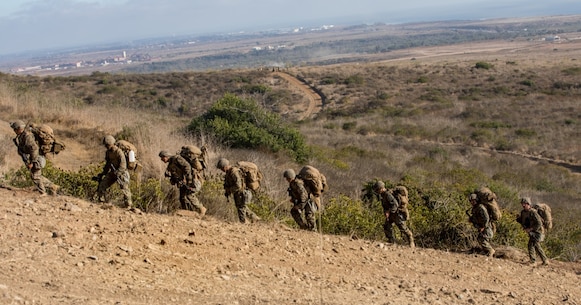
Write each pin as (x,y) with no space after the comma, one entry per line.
(179,172)
(481,221)
(114,171)
(29,152)
(393,215)
(532,223)
(299,197)
(234,186)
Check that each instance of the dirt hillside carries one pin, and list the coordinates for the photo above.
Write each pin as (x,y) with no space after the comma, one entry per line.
(62,250)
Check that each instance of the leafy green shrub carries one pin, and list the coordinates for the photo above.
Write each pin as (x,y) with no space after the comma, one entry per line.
(328,80)
(153,196)
(354,80)
(242,123)
(483,65)
(77,184)
(527,133)
(346,216)
(254,89)
(422,79)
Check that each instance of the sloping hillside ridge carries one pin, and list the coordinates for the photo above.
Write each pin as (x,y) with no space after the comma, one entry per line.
(63,250)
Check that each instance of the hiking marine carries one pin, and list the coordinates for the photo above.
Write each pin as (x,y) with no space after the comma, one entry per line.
(393,214)
(532,223)
(179,172)
(114,171)
(235,186)
(29,152)
(299,197)
(480,219)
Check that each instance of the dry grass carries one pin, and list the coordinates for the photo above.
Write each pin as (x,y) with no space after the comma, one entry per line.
(386,120)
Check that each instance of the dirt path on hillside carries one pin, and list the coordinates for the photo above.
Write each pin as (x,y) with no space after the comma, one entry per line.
(315,101)
(63,250)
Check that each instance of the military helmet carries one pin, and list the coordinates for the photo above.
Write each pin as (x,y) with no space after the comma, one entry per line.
(473,197)
(289,173)
(378,185)
(223,162)
(108,140)
(164,154)
(526,200)
(17,124)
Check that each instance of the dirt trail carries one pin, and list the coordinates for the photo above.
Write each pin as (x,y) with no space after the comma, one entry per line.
(62,250)
(315,101)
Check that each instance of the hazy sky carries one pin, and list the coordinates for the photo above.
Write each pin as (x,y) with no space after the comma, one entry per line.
(27,25)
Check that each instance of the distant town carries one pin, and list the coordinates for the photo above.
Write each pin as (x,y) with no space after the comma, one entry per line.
(120,60)
(140,54)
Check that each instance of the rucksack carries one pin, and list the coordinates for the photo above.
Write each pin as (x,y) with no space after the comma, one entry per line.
(488,198)
(44,136)
(400,193)
(252,175)
(130,153)
(315,182)
(195,156)
(544,210)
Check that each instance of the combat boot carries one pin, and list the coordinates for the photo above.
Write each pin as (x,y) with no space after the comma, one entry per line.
(203,211)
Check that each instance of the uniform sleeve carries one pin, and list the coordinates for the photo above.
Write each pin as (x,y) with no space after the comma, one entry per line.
(122,161)
(187,168)
(389,203)
(299,192)
(237,179)
(481,216)
(536,223)
(31,147)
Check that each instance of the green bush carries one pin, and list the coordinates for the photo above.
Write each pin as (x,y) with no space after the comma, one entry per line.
(483,65)
(346,216)
(242,123)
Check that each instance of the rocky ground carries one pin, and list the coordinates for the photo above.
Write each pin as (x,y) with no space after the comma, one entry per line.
(62,250)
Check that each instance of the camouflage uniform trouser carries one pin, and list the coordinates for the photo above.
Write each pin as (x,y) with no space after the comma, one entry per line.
(40,181)
(188,200)
(534,246)
(400,223)
(123,181)
(484,238)
(309,209)
(241,200)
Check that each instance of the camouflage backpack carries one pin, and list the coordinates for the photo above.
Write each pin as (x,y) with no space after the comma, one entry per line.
(252,174)
(315,182)
(130,153)
(488,198)
(400,193)
(44,136)
(544,210)
(195,156)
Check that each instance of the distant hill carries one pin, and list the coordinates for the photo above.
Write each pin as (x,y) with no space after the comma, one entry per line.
(309,46)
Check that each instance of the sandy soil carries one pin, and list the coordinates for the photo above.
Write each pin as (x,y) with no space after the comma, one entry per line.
(62,250)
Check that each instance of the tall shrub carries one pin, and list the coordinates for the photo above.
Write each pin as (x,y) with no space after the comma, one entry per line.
(242,123)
